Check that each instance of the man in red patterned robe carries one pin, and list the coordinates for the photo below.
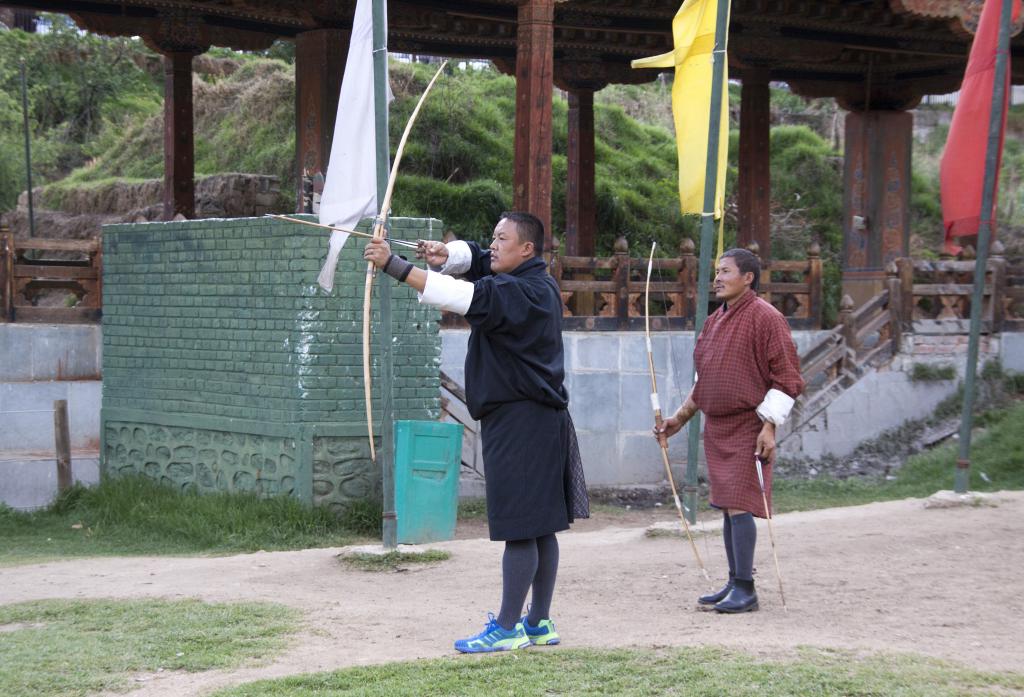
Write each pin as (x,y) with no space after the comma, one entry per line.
(748,376)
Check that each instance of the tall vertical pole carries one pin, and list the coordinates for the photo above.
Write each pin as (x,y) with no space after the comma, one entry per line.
(28,150)
(707,236)
(387,449)
(995,125)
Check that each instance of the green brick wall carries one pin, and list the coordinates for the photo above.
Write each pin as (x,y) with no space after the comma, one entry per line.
(226,367)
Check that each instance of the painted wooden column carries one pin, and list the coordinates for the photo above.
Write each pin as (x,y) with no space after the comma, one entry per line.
(534,84)
(580,202)
(754,190)
(320,57)
(179,143)
(876,198)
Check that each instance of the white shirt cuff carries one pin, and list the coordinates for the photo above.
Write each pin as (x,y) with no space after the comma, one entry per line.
(775,407)
(447,293)
(460,257)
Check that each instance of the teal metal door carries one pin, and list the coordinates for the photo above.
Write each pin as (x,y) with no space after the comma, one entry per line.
(427,458)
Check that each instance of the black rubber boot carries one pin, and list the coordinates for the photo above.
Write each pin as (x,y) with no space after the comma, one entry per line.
(742,598)
(717,596)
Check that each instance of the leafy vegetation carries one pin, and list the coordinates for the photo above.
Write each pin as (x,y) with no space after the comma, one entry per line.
(925,372)
(134,515)
(698,672)
(65,647)
(79,86)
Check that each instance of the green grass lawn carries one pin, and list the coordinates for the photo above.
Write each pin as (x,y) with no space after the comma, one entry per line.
(997,462)
(132,515)
(700,672)
(64,647)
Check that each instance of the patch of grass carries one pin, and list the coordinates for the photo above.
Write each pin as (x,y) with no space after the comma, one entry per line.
(997,463)
(929,372)
(696,672)
(392,561)
(134,515)
(63,647)
(472,509)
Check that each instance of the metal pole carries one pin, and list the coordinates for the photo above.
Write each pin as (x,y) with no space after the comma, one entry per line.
(28,151)
(387,450)
(995,125)
(707,237)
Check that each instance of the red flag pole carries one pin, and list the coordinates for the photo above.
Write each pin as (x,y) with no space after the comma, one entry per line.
(995,129)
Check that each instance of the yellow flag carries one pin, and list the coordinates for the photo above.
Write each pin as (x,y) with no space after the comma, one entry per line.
(693,31)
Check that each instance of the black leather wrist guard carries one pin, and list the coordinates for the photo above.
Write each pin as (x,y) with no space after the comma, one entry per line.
(397,267)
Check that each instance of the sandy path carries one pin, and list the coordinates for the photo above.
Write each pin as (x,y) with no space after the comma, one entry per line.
(882,577)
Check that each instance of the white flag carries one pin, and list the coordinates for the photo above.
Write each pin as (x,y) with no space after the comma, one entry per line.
(350,188)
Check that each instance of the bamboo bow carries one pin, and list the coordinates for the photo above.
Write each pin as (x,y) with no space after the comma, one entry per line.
(380,232)
(656,406)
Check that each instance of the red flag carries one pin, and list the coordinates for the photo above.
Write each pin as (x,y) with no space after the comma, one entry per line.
(962,172)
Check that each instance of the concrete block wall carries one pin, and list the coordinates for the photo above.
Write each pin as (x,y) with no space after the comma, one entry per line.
(1011,351)
(227,368)
(39,364)
(609,388)
(609,391)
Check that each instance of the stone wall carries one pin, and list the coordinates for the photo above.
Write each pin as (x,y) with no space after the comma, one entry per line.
(226,368)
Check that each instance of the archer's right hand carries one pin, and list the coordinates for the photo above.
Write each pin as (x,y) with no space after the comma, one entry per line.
(434,253)
(669,427)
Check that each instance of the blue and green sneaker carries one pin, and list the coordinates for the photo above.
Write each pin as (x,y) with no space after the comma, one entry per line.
(494,638)
(543,634)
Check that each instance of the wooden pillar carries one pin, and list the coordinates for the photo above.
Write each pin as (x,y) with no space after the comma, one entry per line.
(534,84)
(179,144)
(580,202)
(320,57)
(754,188)
(876,198)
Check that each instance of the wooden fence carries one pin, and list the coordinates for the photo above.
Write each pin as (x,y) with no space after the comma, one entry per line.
(921,296)
(47,280)
(607,293)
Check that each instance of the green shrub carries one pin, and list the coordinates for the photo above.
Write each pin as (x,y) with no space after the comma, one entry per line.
(929,372)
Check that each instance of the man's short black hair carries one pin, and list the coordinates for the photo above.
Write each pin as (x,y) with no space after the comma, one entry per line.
(746,262)
(528,227)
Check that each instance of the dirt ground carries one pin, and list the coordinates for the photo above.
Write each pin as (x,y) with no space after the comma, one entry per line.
(893,577)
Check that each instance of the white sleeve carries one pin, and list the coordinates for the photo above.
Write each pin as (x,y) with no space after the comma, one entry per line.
(447,293)
(775,407)
(460,257)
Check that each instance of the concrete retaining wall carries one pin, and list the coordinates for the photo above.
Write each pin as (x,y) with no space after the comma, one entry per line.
(39,364)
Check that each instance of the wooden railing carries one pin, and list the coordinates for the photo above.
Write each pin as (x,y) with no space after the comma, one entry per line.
(607,293)
(48,280)
(921,296)
(936,295)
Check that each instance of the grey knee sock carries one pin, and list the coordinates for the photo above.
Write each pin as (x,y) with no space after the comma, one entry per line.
(744,538)
(727,539)
(544,580)
(518,568)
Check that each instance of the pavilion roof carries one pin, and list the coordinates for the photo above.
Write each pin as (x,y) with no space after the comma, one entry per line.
(885,53)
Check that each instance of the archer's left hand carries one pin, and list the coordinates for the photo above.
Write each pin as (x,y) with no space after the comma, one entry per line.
(377,251)
(766,443)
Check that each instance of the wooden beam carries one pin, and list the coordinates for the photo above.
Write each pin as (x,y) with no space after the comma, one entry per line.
(534,84)
(320,57)
(754,188)
(580,202)
(179,143)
